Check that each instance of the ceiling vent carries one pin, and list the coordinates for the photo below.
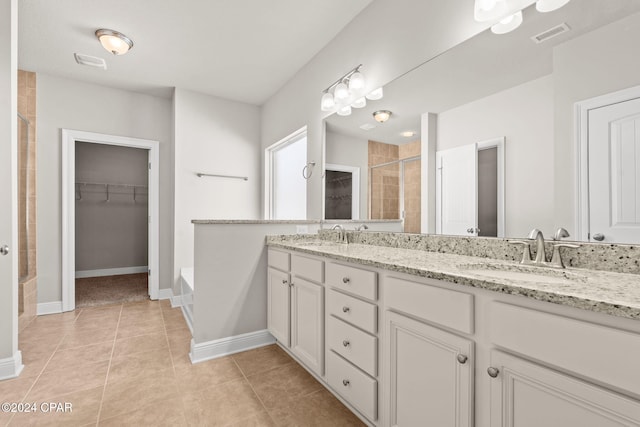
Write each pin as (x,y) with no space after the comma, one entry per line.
(91,61)
(367,126)
(551,33)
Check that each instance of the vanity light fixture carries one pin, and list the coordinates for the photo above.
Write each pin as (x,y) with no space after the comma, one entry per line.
(382,116)
(408,134)
(114,41)
(508,13)
(508,24)
(348,92)
(550,5)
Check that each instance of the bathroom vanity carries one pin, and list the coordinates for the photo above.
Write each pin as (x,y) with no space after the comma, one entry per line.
(410,337)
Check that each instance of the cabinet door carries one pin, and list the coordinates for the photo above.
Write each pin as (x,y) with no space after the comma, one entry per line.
(524,394)
(429,375)
(307,324)
(279,300)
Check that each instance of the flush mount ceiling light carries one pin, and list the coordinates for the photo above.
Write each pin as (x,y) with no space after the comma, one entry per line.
(114,41)
(348,92)
(408,134)
(382,116)
(508,13)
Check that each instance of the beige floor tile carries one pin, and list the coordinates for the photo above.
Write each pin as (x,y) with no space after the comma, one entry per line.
(262,359)
(139,365)
(151,342)
(174,319)
(165,304)
(97,321)
(262,419)
(14,390)
(163,413)
(66,381)
(80,338)
(320,409)
(5,417)
(141,308)
(135,393)
(71,358)
(84,410)
(139,328)
(129,319)
(223,404)
(206,374)
(283,385)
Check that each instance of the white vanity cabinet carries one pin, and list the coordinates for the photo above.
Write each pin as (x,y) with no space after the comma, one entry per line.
(295,312)
(429,372)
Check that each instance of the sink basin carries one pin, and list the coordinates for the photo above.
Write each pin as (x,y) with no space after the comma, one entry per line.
(523,273)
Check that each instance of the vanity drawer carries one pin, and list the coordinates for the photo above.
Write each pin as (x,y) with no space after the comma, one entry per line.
(353,280)
(360,313)
(358,347)
(355,387)
(449,308)
(307,268)
(278,259)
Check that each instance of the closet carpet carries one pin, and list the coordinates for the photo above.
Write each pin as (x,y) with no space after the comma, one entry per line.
(96,291)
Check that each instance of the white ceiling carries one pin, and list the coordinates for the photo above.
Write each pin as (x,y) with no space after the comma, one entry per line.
(483,65)
(243,50)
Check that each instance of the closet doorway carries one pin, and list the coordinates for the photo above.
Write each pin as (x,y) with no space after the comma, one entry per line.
(110,219)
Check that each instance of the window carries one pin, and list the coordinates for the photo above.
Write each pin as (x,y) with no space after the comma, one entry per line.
(286,190)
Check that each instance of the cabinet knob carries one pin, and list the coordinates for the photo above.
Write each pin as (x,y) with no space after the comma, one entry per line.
(4,250)
(346,383)
(284,281)
(345,280)
(599,237)
(291,284)
(346,309)
(493,372)
(346,343)
(462,359)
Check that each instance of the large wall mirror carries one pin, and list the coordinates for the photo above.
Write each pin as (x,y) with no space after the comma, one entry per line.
(537,128)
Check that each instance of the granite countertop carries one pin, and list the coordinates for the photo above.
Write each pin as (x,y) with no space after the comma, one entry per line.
(617,294)
(294,221)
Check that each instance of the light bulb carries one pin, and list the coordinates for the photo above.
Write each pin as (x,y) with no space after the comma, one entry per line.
(550,5)
(507,24)
(359,103)
(375,94)
(356,83)
(344,111)
(341,92)
(327,103)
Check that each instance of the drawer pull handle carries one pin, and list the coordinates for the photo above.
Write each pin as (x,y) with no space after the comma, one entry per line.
(345,280)
(346,343)
(462,359)
(493,372)
(284,281)
(346,309)
(346,383)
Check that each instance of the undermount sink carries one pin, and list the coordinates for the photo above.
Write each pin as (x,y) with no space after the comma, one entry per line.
(523,273)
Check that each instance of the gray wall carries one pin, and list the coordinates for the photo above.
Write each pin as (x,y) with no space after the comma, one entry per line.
(111,234)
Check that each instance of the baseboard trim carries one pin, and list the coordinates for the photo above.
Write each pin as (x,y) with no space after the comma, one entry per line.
(230,345)
(10,367)
(176,301)
(54,307)
(111,271)
(165,294)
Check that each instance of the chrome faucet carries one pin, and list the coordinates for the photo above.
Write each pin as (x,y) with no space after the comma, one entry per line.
(362,227)
(541,256)
(342,236)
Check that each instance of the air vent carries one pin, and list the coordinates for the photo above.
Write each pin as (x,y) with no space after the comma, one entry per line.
(367,126)
(551,33)
(91,61)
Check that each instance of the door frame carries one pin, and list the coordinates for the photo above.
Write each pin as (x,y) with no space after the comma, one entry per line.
(69,139)
(581,137)
(355,186)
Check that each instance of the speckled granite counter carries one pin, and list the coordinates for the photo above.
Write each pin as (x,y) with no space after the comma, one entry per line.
(617,294)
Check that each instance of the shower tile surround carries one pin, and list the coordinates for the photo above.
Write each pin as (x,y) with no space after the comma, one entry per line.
(27,288)
(611,273)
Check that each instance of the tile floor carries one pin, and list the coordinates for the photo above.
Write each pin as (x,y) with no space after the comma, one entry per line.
(128,364)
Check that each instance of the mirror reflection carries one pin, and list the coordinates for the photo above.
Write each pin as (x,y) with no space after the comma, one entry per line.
(494,125)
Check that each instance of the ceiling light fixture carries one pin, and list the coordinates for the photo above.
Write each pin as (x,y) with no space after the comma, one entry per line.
(408,134)
(507,14)
(382,116)
(114,41)
(348,92)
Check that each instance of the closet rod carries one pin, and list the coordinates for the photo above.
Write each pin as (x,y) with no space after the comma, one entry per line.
(104,184)
(200,175)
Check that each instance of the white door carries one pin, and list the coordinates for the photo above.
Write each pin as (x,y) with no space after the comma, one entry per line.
(524,394)
(279,300)
(430,375)
(456,191)
(307,324)
(614,172)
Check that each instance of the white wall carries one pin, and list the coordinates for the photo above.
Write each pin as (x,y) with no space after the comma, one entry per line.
(600,62)
(346,150)
(388,38)
(212,135)
(524,115)
(64,103)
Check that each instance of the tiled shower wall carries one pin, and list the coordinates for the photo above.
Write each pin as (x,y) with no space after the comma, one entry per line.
(27,288)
